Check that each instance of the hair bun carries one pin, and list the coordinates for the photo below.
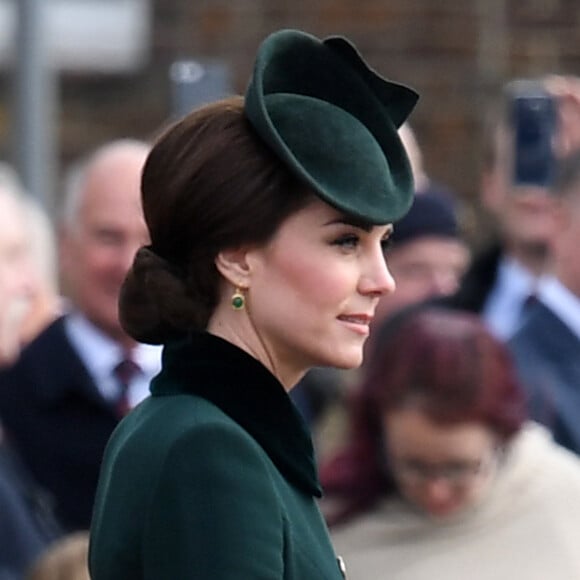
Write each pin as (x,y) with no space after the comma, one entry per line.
(153,305)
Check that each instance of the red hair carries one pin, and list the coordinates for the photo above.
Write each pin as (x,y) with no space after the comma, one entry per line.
(444,362)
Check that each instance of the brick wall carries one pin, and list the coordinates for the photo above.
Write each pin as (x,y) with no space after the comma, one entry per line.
(455,52)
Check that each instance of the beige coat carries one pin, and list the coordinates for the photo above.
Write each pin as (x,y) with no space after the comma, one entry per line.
(527,527)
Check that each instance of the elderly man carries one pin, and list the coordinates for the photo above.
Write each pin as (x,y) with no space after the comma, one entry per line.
(71,385)
(26,523)
(16,272)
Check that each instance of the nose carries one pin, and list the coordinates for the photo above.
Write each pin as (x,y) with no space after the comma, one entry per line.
(377,279)
(437,491)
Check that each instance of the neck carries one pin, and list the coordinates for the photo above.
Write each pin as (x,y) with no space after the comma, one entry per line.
(242,333)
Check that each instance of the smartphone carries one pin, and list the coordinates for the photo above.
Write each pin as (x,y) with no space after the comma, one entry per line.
(534,120)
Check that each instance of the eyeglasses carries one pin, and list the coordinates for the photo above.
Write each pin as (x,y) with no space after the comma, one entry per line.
(456,473)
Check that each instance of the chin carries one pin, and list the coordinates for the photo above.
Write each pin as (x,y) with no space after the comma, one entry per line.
(346,361)
(444,513)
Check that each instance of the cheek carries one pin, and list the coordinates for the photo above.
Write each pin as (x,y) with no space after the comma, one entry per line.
(85,266)
(473,494)
(100,258)
(96,271)
(312,281)
(572,240)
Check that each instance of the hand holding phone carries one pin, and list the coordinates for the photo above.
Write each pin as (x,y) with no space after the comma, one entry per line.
(566,91)
(534,120)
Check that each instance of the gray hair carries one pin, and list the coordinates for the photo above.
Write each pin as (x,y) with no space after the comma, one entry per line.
(10,184)
(75,178)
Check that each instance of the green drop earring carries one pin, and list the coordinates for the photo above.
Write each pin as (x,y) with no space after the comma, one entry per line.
(238,299)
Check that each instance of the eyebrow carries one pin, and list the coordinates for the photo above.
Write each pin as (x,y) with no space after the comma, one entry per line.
(357,223)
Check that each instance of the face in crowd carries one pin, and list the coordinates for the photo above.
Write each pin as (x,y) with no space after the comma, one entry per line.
(443,392)
(425,267)
(15,262)
(524,213)
(17,276)
(314,289)
(428,255)
(310,275)
(441,469)
(102,233)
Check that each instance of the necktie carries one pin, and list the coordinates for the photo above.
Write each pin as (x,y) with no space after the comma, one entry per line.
(124,373)
(526,308)
(530,300)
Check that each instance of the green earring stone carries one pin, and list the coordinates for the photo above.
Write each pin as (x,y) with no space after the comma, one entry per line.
(237,302)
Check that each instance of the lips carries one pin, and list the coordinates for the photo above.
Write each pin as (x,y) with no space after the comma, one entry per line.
(441,511)
(363,319)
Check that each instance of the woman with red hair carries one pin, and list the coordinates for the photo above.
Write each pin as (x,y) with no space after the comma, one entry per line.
(444,477)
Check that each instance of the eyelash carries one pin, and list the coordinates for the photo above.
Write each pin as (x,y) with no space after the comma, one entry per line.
(352,241)
(347,240)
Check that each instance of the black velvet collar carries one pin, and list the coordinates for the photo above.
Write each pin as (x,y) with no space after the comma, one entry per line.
(234,381)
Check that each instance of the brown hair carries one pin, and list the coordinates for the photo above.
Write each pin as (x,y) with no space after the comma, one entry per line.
(208,184)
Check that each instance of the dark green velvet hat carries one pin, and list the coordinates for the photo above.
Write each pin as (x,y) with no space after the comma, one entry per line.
(334,122)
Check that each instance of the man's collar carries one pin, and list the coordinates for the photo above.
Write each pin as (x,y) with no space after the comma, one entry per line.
(561,301)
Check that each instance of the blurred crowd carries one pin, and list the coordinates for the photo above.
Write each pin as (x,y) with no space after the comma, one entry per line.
(453,450)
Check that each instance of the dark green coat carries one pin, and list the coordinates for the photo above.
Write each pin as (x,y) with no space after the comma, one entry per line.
(212,477)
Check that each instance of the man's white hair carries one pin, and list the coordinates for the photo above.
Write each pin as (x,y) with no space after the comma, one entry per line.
(75,177)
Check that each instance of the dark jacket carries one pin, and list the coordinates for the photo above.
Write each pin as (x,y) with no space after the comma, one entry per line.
(547,355)
(27,524)
(58,421)
(213,477)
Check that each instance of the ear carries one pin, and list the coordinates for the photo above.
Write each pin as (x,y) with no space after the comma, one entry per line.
(233,265)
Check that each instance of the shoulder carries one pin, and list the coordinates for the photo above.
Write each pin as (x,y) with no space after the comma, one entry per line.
(49,348)
(533,329)
(191,436)
(223,465)
(46,367)
(551,466)
(542,337)
(184,451)
(197,457)
(201,425)
(51,338)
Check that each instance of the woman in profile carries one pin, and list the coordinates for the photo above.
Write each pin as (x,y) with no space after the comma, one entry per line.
(267,217)
(444,477)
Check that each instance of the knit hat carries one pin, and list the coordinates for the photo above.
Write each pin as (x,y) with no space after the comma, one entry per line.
(432,214)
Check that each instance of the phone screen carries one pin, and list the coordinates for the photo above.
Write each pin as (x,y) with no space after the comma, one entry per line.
(534,118)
